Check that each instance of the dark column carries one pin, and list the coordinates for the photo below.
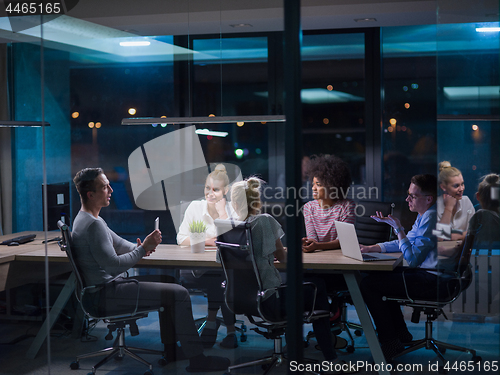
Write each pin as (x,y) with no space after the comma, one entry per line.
(293,155)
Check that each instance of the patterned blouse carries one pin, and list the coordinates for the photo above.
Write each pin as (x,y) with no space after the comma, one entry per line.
(320,223)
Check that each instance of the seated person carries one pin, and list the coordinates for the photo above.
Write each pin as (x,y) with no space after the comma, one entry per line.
(484,225)
(419,248)
(103,256)
(331,179)
(266,238)
(213,207)
(453,207)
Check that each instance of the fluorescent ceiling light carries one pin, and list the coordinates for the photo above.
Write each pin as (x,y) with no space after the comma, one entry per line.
(15,124)
(313,96)
(202,120)
(75,32)
(135,44)
(487,29)
(241,25)
(211,132)
(472,92)
(365,20)
(316,96)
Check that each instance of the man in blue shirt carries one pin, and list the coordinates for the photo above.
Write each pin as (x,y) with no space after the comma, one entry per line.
(419,248)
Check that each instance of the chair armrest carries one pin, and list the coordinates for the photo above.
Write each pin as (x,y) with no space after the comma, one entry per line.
(309,311)
(124,281)
(260,295)
(441,274)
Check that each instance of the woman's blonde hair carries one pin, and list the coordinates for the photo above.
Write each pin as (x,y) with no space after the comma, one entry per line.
(446,171)
(245,197)
(488,183)
(220,174)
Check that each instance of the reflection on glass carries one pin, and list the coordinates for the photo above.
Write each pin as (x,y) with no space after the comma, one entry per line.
(333,98)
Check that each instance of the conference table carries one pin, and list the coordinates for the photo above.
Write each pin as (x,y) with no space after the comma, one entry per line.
(177,257)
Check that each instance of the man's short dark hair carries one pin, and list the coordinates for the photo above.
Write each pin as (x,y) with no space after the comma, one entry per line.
(85,181)
(427,183)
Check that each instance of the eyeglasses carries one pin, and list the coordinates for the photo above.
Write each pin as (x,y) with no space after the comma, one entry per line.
(415,196)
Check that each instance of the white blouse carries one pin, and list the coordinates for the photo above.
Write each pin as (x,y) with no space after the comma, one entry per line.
(198,210)
(463,215)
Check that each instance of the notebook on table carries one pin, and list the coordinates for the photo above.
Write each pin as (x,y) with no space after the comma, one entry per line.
(350,246)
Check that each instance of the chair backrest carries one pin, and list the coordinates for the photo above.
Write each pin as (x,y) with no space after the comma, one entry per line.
(243,284)
(369,231)
(463,271)
(66,245)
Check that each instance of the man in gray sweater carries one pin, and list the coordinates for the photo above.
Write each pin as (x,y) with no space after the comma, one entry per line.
(103,256)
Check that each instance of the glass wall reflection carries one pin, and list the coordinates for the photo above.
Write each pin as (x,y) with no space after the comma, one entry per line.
(439,101)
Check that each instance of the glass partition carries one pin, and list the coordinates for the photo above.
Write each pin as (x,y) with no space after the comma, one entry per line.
(436,99)
(333,98)
(102,75)
(468,123)
(409,110)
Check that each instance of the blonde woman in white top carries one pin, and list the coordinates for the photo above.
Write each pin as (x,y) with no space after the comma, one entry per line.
(453,207)
(214,206)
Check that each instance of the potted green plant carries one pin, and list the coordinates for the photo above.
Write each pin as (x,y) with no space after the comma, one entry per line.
(197,235)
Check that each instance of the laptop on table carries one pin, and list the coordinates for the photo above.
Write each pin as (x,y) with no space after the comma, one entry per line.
(350,246)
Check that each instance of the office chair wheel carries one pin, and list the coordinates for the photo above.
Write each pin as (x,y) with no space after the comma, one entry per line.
(162,361)
(477,359)
(74,365)
(243,338)
(349,349)
(358,332)
(306,343)
(149,372)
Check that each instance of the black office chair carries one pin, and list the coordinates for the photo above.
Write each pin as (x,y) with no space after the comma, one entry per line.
(116,322)
(450,285)
(244,291)
(369,232)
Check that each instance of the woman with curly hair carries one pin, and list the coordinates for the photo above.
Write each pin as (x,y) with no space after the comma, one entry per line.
(267,246)
(331,179)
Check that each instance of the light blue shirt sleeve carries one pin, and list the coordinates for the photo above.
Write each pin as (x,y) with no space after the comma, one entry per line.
(419,248)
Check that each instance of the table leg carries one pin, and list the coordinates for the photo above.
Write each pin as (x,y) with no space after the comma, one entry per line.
(56,309)
(351,279)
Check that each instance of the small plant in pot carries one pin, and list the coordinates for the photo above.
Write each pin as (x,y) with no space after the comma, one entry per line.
(197,235)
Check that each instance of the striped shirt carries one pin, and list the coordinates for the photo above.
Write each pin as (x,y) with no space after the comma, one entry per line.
(320,223)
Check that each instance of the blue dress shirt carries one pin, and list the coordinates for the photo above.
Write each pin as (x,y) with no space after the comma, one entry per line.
(419,248)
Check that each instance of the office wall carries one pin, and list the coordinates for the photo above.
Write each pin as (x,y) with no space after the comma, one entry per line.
(27,143)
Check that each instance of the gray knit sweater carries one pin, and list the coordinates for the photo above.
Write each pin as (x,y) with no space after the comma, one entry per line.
(99,252)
